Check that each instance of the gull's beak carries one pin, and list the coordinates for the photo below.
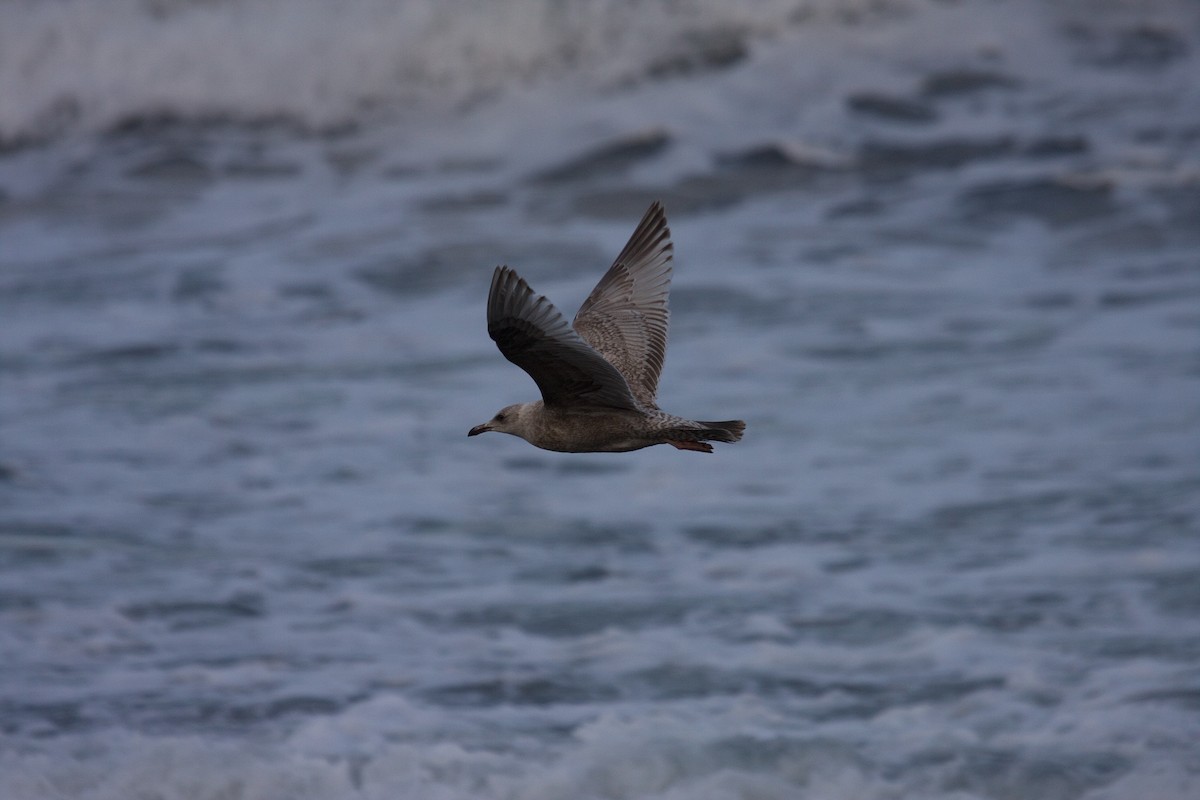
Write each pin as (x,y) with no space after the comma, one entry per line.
(478,429)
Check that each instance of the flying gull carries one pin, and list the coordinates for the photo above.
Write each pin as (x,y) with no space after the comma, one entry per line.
(599,376)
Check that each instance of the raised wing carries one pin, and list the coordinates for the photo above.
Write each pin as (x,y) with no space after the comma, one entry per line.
(625,317)
(532,334)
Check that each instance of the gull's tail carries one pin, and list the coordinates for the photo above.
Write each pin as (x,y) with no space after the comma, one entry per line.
(728,431)
(696,435)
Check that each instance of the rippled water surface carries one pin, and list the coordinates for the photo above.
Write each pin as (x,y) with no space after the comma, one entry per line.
(944,259)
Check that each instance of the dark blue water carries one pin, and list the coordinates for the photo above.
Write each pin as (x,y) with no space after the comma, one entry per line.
(944,260)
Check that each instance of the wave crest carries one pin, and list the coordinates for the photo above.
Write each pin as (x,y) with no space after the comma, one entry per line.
(94,64)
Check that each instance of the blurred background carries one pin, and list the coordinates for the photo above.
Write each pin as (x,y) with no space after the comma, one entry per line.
(943,256)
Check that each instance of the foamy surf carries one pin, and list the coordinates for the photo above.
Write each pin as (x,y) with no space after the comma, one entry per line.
(941,257)
(88,66)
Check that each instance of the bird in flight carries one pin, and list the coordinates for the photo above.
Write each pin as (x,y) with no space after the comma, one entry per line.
(599,375)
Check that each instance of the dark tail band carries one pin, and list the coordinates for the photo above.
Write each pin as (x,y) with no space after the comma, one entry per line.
(728,431)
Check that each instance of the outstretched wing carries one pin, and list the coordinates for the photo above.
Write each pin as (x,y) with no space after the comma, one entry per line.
(532,334)
(625,317)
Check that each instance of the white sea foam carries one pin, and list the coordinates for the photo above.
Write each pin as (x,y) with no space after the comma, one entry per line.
(713,753)
(89,64)
(246,550)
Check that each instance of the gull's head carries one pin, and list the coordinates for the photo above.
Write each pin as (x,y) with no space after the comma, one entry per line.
(510,419)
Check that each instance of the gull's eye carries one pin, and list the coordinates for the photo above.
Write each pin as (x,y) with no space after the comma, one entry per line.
(499,418)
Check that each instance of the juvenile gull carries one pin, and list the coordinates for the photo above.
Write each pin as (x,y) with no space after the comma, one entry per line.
(599,377)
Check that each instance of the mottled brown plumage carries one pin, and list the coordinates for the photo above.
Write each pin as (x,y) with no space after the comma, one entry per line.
(599,377)
(625,317)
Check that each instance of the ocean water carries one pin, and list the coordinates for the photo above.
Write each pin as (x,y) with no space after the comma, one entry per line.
(943,258)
